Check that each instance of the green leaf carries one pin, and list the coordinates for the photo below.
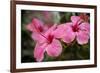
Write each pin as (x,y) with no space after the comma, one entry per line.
(68,15)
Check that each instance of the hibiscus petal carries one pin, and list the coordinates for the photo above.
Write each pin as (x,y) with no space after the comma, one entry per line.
(38,37)
(85,27)
(29,27)
(39,52)
(69,36)
(60,31)
(75,19)
(54,49)
(37,22)
(35,26)
(51,30)
(82,37)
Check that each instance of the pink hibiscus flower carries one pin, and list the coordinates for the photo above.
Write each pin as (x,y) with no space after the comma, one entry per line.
(37,27)
(76,29)
(48,44)
(45,40)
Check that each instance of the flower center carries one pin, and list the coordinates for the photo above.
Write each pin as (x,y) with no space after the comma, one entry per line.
(75,28)
(40,29)
(50,38)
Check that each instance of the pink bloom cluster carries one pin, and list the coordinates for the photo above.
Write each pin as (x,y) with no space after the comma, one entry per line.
(48,38)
